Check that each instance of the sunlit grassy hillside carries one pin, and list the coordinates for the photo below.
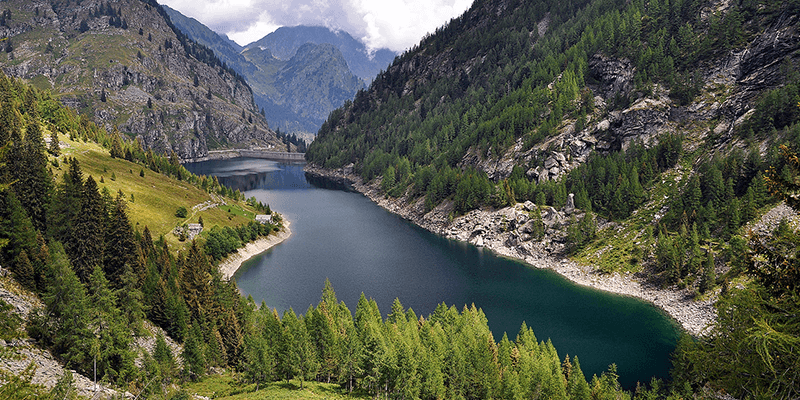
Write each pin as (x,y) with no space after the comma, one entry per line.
(153,199)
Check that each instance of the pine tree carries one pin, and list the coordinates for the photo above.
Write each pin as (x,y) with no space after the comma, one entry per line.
(34,184)
(709,276)
(194,361)
(113,355)
(163,356)
(67,307)
(577,387)
(16,229)
(66,203)
(86,249)
(302,358)
(64,390)
(55,147)
(23,270)
(120,250)
(195,272)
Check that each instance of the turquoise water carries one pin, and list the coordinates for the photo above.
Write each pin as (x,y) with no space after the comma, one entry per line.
(360,247)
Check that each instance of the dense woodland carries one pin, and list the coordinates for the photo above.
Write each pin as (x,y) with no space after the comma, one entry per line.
(100,278)
(99,286)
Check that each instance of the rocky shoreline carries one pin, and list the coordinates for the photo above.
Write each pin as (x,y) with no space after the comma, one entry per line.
(231,264)
(500,231)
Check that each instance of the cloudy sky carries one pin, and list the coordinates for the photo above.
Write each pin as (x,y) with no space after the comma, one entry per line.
(396,24)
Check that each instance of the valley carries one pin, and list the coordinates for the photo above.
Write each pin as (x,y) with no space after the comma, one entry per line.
(646,148)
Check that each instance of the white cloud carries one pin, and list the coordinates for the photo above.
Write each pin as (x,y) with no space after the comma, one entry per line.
(396,24)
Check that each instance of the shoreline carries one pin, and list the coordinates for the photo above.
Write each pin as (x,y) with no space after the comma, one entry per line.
(230,264)
(692,316)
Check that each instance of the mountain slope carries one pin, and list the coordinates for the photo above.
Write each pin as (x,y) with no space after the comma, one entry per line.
(124,64)
(225,49)
(642,139)
(296,92)
(285,41)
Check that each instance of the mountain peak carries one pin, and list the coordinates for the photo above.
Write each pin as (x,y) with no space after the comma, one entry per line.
(285,41)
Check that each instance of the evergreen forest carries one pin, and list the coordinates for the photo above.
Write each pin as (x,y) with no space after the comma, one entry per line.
(503,76)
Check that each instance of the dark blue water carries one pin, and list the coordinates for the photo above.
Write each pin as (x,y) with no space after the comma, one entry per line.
(360,247)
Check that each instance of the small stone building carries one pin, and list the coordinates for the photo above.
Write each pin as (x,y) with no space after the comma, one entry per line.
(264,219)
(194,230)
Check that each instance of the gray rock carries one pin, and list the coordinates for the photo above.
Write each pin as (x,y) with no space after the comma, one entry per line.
(528,206)
(615,75)
(551,217)
(543,177)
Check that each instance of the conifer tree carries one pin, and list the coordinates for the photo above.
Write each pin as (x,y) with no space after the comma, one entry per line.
(194,361)
(86,248)
(55,146)
(120,250)
(66,203)
(302,358)
(67,308)
(114,357)
(709,276)
(16,229)
(34,184)
(163,356)
(63,388)
(577,388)
(195,283)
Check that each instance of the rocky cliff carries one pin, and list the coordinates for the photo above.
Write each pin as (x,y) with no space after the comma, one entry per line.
(124,64)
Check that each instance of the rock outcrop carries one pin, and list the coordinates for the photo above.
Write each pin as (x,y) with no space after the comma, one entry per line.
(134,71)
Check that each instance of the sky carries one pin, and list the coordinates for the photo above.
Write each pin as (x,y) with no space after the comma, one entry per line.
(393,24)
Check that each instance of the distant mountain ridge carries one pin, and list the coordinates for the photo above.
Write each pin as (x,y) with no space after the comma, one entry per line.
(297,89)
(285,41)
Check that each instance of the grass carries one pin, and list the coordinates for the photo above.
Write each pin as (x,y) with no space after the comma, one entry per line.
(154,198)
(227,387)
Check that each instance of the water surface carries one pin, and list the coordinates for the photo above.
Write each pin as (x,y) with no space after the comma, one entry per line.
(360,247)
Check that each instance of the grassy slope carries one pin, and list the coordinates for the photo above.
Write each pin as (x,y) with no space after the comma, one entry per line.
(226,387)
(155,197)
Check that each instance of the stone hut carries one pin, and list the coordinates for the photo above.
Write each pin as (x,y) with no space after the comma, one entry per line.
(264,219)
(194,230)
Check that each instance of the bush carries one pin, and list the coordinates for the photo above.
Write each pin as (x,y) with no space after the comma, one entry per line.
(181,212)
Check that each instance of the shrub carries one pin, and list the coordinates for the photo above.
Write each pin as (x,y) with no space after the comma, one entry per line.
(181,212)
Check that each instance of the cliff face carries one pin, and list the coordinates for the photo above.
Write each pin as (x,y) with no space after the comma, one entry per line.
(122,63)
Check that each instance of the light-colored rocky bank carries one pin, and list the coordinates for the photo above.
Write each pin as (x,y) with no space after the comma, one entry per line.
(231,264)
(505,232)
